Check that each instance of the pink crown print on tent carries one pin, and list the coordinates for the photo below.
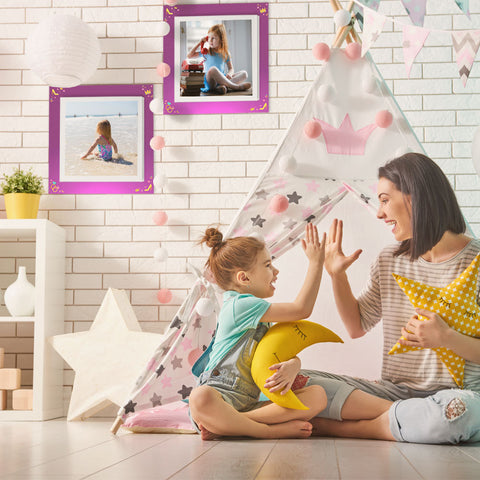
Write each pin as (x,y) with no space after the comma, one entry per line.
(344,140)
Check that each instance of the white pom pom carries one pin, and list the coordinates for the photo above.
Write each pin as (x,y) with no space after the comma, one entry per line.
(156,105)
(325,93)
(160,254)
(287,164)
(160,181)
(342,18)
(205,307)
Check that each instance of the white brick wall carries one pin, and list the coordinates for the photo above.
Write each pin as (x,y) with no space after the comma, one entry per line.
(211,160)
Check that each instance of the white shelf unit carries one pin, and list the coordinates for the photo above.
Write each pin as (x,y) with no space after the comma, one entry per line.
(48,319)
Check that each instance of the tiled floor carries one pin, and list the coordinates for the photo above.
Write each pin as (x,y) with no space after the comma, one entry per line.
(58,450)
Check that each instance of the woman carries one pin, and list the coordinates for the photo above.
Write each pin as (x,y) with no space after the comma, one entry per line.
(417,200)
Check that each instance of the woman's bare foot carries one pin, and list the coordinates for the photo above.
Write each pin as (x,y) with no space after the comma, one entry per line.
(221,89)
(245,86)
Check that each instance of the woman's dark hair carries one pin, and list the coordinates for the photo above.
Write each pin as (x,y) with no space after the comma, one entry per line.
(435,208)
(229,256)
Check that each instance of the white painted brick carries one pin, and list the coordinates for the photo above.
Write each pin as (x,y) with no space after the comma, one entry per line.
(39,155)
(190,154)
(451,102)
(35,15)
(84,249)
(10,77)
(220,137)
(131,280)
(100,265)
(246,153)
(149,14)
(139,29)
(146,75)
(150,265)
(112,76)
(467,182)
(35,108)
(110,14)
(266,137)
(77,217)
(236,185)
(89,234)
(295,57)
(132,60)
(283,105)
(286,74)
(254,169)
(130,249)
(75,281)
(216,201)
(455,134)
(161,202)
(159,233)
(149,45)
(193,185)
(177,137)
(10,108)
(87,202)
(83,314)
(254,122)
(431,118)
(11,46)
(218,169)
(293,89)
(193,122)
(437,86)
(305,25)
(58,202)
(462,150)
(117,45)
(127,3)
(23,93)
(456,166)
(10,139)
(438,150)
(287,42)
(79,3)
(13,62)
(35,139)
(172,170)
(14,30)
(89,297)
(13,15)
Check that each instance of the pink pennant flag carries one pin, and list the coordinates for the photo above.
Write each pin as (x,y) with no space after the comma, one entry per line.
(372,28)
(416,10)
(413,41)
(466,45)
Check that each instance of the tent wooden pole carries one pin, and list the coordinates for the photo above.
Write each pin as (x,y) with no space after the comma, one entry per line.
(347,32)
(116,425)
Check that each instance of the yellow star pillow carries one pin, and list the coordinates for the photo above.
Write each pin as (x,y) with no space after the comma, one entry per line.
(456,304)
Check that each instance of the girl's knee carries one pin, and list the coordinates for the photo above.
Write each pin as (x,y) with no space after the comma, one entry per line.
(201,398)
(315,399)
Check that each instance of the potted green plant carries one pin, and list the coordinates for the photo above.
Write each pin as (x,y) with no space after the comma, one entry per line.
(22,191)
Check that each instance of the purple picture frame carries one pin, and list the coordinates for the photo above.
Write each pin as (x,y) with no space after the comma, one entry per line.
(173,102)
(74,114)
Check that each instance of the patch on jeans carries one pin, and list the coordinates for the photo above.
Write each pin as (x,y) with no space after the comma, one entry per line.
(455,409)
(299,382)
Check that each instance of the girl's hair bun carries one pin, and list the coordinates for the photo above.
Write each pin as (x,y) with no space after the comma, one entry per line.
(213,238)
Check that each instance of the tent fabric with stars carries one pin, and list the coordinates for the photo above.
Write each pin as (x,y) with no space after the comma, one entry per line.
(348,125)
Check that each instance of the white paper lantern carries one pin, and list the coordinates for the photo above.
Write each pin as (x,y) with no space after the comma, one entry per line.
(476,151)
(342,18)
(63,51)
(205,307)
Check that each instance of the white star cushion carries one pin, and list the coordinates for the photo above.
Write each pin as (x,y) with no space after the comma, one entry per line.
(108,358)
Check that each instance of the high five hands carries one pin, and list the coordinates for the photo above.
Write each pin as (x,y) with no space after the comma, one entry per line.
(336,262)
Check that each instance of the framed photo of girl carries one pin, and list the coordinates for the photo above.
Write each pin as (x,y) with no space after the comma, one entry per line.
(99,139)
(218,58)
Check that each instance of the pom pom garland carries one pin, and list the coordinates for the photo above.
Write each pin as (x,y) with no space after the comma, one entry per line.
(278,203)
(353,51)
(157,143)
(369,84)
(164,295)
(205,307)
(321,51)
(160,218)
(325,93)
(287,164)
(163,69)
(312,129)
(342,18)
(155,105)
(160,254)
(383,119)
(160,181)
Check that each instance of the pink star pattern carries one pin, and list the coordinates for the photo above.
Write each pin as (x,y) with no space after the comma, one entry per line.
(313,186)
(166,382)
(280,183)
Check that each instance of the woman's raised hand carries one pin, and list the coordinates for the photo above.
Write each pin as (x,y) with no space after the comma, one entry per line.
(335,260)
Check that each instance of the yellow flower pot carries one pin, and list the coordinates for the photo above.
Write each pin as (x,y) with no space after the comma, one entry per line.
(21,205)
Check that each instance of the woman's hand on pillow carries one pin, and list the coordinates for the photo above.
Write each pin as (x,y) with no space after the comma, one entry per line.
(430,333)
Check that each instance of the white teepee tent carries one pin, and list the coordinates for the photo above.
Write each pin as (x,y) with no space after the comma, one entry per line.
(326,165)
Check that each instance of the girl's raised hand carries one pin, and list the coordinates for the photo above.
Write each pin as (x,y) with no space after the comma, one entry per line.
(335,260)
(313,248)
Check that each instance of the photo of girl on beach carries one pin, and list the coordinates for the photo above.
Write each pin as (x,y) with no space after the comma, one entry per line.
(101,138)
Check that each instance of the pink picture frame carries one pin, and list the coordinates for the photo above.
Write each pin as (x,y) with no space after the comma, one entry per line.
(74,116)
(247,32)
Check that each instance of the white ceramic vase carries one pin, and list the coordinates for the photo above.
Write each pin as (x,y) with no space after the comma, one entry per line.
(20,296)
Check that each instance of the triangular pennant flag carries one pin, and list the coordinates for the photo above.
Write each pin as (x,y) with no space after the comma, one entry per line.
(413,41)
(416,10)
(359,10)
(466,45)
(372,28)
(463,5)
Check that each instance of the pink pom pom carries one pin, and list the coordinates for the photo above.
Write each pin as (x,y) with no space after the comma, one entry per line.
(321,51)
(157,143)
(164,295)
(160,218)
(163,69)
(383,119)
(171,2)
(312,129)
(194,355)
(353,51)
(278,204)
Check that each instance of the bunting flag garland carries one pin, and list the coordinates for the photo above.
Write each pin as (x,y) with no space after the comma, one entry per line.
(359,11)
(416,10)
(466,46)
(373,26)
(413,41)
(464,7)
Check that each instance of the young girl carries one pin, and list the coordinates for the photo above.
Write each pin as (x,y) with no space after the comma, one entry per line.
(218,67)
(104,142)
(226,402)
